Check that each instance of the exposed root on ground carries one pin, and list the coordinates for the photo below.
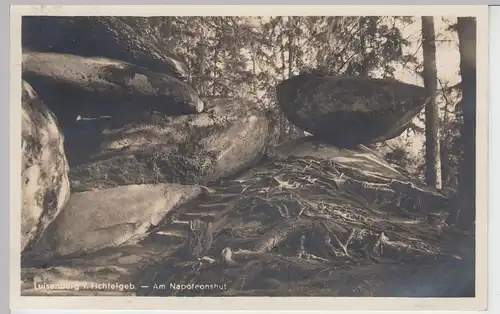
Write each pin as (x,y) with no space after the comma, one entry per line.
(309,227)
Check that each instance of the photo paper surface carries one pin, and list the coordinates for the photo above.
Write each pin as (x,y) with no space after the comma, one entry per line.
(249,157)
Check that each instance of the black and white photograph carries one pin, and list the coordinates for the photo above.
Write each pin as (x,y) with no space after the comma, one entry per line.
(249,156)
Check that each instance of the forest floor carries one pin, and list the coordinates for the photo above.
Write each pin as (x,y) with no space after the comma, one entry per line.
(286,228)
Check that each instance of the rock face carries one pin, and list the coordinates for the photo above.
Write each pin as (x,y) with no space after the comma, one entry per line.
(347,111)
(106,36)
(93,87)
(96,219)
(45,185)
(230,137)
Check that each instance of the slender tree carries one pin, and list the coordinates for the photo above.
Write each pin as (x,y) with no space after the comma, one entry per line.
(290,45)
(432,156)
(362,47)
(466,28)
(443,149)
(167,27)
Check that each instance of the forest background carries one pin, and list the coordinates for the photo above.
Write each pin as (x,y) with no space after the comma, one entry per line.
(248,56)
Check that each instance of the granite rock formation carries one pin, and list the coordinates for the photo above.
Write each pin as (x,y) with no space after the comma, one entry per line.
(75,86)
(229,137)
(348,111)
(45,184)
(95,220)
(103,37)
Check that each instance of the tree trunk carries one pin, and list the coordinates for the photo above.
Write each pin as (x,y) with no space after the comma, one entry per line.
(283,119)
(214,70)
(254,69)
(167,31)
(294,131)
(190,74)
(443,148)
(466,27)
(254,61)
(283,64)
(362,47)
(432,156)
(290,46)
(201,70)
(445,169)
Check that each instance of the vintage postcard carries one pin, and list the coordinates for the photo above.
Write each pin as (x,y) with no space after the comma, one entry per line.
(249,157)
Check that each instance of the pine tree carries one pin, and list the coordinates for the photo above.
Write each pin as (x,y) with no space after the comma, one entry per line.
(466,28)
(432,155)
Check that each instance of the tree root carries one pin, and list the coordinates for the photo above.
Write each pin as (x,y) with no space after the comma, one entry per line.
(280,233)
(342,245)
(302,253)
(376,252)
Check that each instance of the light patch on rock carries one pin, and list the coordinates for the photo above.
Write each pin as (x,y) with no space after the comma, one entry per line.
(45,169)
(369,163)
(94,220)
(179,67)
(383,164)
(141,81)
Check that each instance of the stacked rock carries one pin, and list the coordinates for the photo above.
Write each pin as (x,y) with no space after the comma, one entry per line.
(129,118)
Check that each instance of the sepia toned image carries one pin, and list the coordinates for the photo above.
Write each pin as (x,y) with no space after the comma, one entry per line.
(249,156)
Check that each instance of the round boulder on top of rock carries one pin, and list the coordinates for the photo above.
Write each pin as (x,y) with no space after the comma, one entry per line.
(348,111)
(45,184)
(97,36)
(75,86)
(229,137)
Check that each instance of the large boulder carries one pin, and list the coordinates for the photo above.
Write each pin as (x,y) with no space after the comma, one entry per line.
(97,36)
(230,137)
(347,111)
(45,184)
(93,87)
(110,217)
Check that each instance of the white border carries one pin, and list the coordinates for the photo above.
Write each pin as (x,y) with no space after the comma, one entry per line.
(251,302)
